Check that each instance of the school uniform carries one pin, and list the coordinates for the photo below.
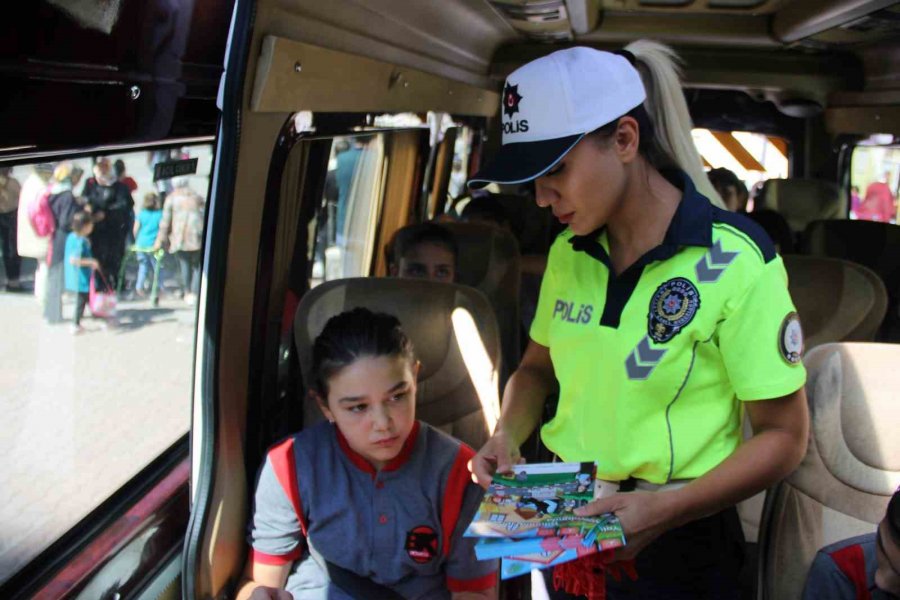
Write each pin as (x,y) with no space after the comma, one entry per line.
(654,362)
(845,570)
(322,507)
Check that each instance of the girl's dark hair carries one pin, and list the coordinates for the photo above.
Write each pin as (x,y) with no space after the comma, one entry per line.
(79,220)
(420,233)
(893,516)
(352,335)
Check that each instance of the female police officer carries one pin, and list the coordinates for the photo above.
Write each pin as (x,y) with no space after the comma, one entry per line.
(661,316)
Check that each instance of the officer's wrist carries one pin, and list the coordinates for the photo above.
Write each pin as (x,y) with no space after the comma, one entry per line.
(685,505)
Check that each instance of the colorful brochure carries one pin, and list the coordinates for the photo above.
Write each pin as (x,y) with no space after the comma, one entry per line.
(527,519)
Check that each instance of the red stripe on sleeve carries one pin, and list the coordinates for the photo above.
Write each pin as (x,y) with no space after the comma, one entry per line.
(472,585)
(275,559)
(285,467)
(457,481)
(852,563)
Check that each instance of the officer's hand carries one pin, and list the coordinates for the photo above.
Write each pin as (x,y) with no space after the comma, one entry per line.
(644,517)
(498,455)
(269,593)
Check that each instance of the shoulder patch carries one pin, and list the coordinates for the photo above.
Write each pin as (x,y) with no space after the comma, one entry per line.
(790,339)
(751,230)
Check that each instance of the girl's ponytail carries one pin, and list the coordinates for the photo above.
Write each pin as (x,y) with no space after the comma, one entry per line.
(660,70)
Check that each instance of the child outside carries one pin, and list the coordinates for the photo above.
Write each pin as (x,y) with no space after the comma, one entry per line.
(79,264)
(370,503)
(146,230)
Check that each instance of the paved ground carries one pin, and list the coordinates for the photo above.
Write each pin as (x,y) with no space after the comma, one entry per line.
(83,414)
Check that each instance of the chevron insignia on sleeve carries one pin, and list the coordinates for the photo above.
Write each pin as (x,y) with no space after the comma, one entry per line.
(643,359)
(711,266)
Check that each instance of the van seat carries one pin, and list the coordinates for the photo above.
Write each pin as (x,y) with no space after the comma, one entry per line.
(873,245)
(457,385)
(801,201)
(837,300)
(489,262)
(851,467)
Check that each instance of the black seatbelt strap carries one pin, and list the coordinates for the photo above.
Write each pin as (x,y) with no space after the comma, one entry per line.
(361,588)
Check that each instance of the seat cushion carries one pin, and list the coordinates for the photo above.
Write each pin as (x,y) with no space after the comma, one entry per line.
(837,300)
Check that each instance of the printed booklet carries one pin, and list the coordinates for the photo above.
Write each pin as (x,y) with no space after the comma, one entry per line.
(526,518)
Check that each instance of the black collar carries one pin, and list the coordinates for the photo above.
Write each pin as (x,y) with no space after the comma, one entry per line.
(691,225)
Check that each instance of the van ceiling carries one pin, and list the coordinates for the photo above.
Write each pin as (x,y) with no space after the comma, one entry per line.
(801,49)
(461,39)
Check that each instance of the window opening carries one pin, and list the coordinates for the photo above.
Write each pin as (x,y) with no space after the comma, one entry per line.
(87,407)
(753,158)
(874,180)
(346,220)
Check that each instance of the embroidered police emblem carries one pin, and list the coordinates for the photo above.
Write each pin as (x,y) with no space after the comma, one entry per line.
(421,544)
(672,307)
(511,99)
(790,339)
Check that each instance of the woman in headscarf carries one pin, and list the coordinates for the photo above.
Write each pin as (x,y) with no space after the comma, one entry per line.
(112,206)
(181,233)
(63,204)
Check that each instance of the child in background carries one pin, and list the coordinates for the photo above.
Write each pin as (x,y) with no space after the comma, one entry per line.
(146,229)
(423,251)
(370,503)
(79,264)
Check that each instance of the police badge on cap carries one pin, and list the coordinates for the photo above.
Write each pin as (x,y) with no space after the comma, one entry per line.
(673,306)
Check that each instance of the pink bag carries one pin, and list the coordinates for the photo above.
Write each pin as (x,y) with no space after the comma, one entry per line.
(102,304)
(42,220)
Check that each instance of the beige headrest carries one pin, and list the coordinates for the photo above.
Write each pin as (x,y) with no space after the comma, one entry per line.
(837,300)
(854,412)
(486,254)
(452,329)
(801,201)
(489,262)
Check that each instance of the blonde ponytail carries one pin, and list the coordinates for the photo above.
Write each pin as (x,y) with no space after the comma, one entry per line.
(660,70)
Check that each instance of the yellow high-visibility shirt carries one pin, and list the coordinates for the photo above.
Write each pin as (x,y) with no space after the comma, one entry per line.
(653,363)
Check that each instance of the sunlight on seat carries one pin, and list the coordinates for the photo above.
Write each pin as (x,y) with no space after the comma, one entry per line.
(481,370)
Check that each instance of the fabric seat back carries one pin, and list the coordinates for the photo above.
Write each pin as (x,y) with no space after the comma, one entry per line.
(873,245)
(489,262)
(801,201)
(838,301)
(851,467)
(454,334)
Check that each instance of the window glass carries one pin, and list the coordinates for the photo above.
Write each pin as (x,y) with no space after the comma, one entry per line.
(458,176)
(347,218)
(874,179)
(86,407)
(752,157)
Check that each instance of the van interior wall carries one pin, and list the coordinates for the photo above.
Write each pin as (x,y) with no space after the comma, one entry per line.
(820,161)
(271,414)
(223,542)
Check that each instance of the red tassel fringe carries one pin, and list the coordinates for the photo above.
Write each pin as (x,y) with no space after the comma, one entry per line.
(587,576)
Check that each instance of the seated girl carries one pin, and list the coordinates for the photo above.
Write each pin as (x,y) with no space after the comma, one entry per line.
(423,251)
(370,503)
